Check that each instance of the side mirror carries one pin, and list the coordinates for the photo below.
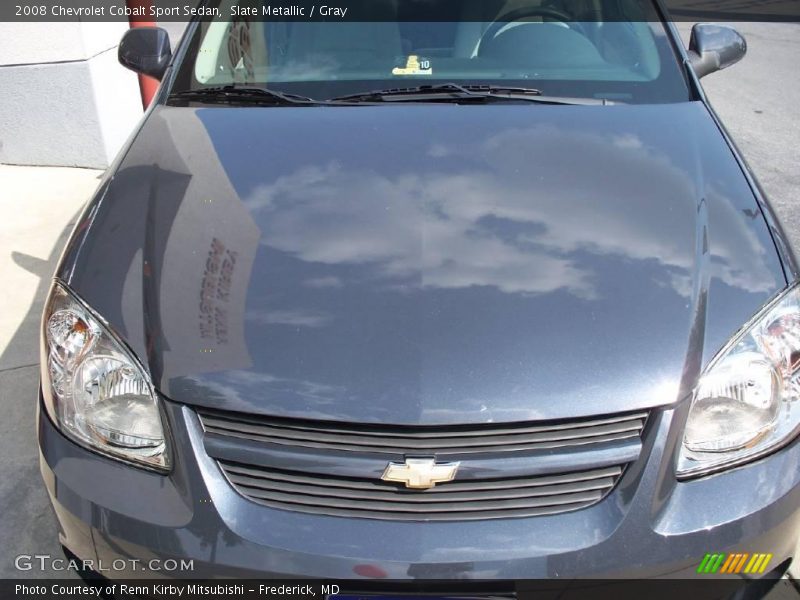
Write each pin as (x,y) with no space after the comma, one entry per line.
(145,50)
(714,47)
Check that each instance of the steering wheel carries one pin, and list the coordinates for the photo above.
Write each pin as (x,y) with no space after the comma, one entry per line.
(523,13)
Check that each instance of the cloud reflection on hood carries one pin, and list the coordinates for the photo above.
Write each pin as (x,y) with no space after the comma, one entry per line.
(516,215)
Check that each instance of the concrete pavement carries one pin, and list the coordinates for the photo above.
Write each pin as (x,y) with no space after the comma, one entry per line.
(758,100)
(38,208)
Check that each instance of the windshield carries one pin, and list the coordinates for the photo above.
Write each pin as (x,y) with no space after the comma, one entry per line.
(606,49)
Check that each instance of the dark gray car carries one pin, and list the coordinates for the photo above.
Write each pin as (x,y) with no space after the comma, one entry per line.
(486,298)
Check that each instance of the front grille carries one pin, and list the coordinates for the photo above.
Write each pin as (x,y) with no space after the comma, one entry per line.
(394,439)
(455,501)
(506,470)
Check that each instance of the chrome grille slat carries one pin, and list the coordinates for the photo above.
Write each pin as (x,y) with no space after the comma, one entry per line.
(308,466)
(440,449)
(398,440)
(428,443)
(409,431)
(427,496)
(378,505)
(286,490)
(475,515)
(369,486)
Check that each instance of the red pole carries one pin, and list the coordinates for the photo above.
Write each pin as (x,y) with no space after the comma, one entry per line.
(140,18)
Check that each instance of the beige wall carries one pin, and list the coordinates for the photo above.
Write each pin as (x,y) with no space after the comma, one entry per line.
(66,101)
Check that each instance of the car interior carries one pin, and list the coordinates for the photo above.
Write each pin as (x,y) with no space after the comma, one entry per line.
(549,39)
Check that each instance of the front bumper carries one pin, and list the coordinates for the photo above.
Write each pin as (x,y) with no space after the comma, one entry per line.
(649,526)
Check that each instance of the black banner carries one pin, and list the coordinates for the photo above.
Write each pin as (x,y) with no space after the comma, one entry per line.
(356,10)
(233,589)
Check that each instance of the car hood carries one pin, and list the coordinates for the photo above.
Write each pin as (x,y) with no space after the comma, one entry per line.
(424,263)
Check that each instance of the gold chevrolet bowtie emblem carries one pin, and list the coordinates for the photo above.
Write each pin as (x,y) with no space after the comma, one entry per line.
(420,473)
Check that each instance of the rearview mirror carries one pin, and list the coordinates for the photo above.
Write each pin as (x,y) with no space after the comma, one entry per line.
(714,47)
(145,50)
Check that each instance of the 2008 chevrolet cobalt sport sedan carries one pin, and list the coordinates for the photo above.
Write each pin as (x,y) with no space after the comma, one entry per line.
(492,297)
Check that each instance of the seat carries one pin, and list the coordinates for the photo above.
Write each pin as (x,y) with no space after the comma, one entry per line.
(343,44)
(541,45)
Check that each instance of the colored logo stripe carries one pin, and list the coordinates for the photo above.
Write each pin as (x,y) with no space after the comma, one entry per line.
(758,563)
(730,563)
(710,564)
(704,564)
(736,562)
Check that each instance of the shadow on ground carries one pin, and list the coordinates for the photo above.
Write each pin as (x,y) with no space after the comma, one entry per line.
(28,524)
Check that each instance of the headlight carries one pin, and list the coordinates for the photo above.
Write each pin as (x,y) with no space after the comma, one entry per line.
(745,404)
(94,389)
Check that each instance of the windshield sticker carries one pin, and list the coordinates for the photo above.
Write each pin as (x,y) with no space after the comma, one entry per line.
(414,66)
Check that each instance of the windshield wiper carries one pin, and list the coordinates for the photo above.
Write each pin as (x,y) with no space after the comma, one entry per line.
(453,92)
(234,94)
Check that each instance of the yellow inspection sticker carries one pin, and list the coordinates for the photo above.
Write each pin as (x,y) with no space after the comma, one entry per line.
(414,66)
